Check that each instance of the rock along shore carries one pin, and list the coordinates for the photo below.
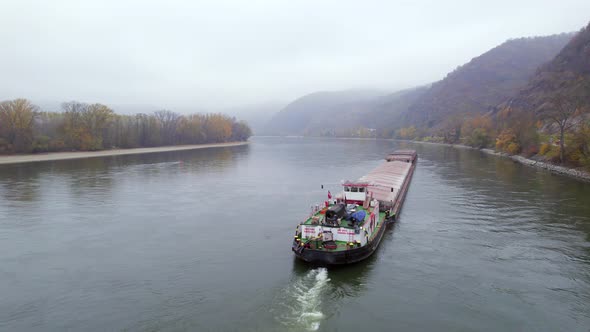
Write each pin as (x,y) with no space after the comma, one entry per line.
(556,169)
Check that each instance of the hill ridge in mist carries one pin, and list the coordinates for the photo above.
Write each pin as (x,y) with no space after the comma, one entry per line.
(475,87)
(485,81)
(570,66)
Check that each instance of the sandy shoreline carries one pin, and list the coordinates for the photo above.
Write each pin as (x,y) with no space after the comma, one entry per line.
(14,159)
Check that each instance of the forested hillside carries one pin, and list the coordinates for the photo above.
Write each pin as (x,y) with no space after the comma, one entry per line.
(547,119)
(570,68)
(486,81)
(86,127)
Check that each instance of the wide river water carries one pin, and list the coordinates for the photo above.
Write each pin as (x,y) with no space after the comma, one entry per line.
(201,241)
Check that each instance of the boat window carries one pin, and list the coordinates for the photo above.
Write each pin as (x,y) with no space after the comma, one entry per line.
(354,189)
(346,188)
(361,189)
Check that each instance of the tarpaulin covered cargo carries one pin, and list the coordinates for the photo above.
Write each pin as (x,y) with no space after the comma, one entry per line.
(385,181)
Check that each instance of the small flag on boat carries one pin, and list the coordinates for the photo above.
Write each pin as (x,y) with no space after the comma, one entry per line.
(329,195)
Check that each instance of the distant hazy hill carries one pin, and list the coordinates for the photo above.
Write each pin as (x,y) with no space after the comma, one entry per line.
(486,81)
(256,115)
(388,109)
(320,109)
(572,63)
(474,88)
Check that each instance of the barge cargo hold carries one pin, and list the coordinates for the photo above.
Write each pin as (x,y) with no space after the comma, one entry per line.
(349,228)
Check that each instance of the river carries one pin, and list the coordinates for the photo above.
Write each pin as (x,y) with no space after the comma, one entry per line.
(200,241)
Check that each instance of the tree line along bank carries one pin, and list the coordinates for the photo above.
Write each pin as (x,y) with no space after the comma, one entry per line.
(24,128)
(558,133)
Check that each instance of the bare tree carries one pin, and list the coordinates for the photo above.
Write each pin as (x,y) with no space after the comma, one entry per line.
(563,108)
(168,120)
(96,119)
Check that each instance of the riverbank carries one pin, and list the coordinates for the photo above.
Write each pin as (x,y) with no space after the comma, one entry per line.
(28,158)
(555,169)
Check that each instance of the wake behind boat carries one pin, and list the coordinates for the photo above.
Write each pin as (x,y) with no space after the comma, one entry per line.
(349,228)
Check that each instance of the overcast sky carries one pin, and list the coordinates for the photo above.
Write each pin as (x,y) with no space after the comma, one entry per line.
(221,53)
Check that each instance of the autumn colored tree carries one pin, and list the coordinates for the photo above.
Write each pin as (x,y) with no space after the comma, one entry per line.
(16,124)
(520,126)
(95,120)
(218,128)
(477,131)
(507,142)
(72,128)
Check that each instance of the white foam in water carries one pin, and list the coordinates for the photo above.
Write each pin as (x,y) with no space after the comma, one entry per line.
(303,299)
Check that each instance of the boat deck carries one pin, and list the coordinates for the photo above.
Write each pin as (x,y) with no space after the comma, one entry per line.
(347,224)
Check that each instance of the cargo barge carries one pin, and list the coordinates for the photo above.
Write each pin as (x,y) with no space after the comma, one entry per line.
(350,227)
